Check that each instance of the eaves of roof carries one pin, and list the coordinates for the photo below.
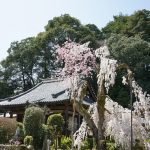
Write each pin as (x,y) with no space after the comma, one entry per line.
(41,93)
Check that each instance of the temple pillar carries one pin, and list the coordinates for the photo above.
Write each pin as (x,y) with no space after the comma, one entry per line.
(66,117)
(11,115)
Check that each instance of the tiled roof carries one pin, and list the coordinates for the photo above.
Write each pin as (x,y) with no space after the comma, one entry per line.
(45,92)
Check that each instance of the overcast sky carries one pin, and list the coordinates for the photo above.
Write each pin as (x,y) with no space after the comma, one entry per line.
(20,19)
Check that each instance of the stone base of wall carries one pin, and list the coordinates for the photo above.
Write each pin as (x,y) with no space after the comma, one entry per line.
(12,147)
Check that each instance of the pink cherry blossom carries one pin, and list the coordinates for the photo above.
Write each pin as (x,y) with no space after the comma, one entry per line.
(78,59)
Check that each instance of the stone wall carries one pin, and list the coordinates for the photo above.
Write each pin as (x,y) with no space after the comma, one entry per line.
(12,147)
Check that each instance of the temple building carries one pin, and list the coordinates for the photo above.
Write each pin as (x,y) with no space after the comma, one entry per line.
(51,94)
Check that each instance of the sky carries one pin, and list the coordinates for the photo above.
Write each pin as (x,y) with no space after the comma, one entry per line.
(20,19)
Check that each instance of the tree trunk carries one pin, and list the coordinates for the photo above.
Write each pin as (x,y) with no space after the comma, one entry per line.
(98,133)
(101,112)
(72,126)
(83,112)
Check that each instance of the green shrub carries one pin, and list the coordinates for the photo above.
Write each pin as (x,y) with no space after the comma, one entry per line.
(148,140)
(19,135)
(111,145)
(3,135)
(20,125)
(46,130)
(87,144)
(138,145)
(56,121)
(66,143)
(7,129)
(33,120)
(28,140)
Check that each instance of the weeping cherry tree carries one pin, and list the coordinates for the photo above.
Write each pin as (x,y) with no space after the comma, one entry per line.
(105,117)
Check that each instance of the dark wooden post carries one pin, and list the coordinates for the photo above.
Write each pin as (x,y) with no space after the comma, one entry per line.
(11,115)
(66,119)
(4,114)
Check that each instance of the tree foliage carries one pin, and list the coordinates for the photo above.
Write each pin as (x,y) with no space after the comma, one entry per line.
(128,41)
(33,58)
(19,66)
(67,27)
(5,90)
(135,52)
(135,24)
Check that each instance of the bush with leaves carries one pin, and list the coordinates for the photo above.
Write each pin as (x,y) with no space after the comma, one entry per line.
(66,143)
(138,145)
(56,122)
(28,140)
(33,120)
(110,145)
(87,144)
(7,129)
(19,135)
(46,134)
